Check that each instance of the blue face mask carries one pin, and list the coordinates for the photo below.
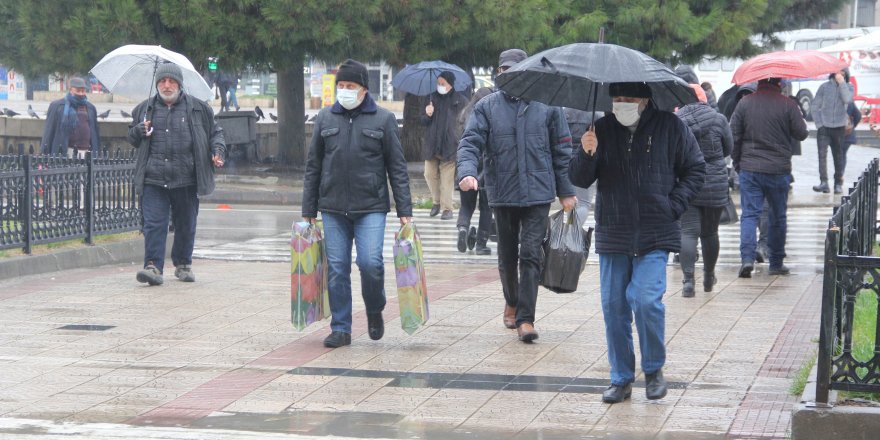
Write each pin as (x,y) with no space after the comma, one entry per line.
(348,98)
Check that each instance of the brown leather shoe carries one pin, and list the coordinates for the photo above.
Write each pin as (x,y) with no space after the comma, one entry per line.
(509,316)
(526,332)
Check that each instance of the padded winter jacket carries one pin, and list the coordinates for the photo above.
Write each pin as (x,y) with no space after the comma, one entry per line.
(645,178)
(713,134)
(525,148)
(352,155)
(765,125)
(207,140)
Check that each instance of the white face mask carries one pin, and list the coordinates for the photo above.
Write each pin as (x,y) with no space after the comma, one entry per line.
(442,90)
(627,113)
(348,98)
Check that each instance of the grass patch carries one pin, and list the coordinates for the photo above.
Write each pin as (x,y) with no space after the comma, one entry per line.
(864,332)
(800,379)
(75,243)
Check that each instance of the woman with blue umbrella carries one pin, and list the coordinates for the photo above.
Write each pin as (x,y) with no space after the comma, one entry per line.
(441,142)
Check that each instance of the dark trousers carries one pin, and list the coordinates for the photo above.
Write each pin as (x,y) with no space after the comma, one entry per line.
(699,222)
(156,202)
(831,137)
(521,231)
(469,205)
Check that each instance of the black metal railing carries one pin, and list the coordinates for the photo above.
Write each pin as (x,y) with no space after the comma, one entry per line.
(45,199)
(850,269)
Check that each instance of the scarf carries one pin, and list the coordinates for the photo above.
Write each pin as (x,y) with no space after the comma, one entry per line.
(71,103)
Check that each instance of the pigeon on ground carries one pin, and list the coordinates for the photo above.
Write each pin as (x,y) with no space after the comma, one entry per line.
(104,115)
(124,114)
(10,113)
(273,117)
(259,113)
(32,113)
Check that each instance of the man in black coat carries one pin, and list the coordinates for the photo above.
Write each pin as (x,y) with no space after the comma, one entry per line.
(355,150)
(765,125)
(71,124)
(648,167)
(178,145)
(441,142)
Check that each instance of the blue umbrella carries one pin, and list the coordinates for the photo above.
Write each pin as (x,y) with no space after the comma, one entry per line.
(421,79)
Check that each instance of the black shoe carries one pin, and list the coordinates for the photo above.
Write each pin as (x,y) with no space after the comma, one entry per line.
(337,339)
(675,259)
(482,249)
(838,189)
(462,239)
(447,215)
(760,255)
(709,281)
(472,238)
(745,271)
(781,270)
(687,291)
(822,188)
(435,210)
(617,393)
(375,325)
(655,385)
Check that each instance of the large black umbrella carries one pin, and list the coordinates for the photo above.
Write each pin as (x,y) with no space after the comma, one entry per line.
(578,75)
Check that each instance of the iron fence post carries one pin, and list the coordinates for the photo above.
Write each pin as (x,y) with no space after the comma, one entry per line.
(90,199)
(27,209)
(826,327)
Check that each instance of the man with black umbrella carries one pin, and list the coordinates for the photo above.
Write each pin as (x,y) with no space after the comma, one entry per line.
(441,142)
(525,147)
(648,167)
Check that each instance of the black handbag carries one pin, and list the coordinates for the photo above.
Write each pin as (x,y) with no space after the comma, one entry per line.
(729,215)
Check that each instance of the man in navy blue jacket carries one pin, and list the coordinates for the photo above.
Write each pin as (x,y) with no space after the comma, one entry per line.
(648,167)
(525,148)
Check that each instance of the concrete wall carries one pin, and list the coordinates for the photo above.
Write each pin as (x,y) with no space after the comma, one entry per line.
(29,132)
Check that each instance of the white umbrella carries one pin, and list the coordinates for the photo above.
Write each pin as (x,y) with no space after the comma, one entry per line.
(130,70)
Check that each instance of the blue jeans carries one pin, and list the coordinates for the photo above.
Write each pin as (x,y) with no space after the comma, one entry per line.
(634,286)
(233,101)
(367,231)
(156,202)
(754,188)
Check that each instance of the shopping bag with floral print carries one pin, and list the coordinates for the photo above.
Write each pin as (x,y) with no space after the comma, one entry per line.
(309,298)
(412,286)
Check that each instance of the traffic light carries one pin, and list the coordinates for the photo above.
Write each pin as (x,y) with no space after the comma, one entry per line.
(212,64)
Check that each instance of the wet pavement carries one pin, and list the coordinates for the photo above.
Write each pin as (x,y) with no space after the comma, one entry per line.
(219,359)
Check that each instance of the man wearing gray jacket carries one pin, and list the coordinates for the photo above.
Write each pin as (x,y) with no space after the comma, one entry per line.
(829,114)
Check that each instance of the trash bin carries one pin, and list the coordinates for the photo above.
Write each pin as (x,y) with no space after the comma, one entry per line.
(240,133)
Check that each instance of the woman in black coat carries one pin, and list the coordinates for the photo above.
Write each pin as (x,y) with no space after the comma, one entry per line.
(701,219)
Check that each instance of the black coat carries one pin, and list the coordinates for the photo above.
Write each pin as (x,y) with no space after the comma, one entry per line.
(351,157)
(646,179)
(713,134)
(525,148)
(207,140)
(765,124)
(443,132)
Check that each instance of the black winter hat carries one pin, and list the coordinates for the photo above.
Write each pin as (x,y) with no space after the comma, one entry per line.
(449,77)
(169,70)
(351,70)
(630,89)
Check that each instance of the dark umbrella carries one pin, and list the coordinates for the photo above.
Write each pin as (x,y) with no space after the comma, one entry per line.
(421,79)
(578,75)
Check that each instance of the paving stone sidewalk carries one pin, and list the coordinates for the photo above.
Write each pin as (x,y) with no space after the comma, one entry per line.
(221,354)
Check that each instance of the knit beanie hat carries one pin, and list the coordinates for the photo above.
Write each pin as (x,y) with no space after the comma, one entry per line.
(169,70)
(630,89)
(449,77)
(353,71)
